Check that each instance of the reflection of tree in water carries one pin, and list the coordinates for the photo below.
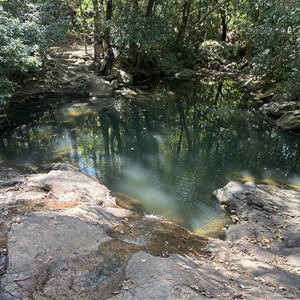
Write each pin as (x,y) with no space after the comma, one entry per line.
(188,137)
(187,145)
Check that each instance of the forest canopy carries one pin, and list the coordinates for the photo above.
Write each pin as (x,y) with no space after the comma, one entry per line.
(149,37)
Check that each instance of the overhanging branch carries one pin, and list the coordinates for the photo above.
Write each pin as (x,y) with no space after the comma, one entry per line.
(212,10)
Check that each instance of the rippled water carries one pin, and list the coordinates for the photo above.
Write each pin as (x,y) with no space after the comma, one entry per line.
(168,147)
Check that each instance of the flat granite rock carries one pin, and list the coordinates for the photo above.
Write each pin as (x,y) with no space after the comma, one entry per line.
(48,253)
(72,186)
(63,237)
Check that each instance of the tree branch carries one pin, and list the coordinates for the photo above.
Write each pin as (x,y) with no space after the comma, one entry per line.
(212,10)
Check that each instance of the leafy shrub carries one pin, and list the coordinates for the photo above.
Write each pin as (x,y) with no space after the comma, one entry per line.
(26,32)
(277,41)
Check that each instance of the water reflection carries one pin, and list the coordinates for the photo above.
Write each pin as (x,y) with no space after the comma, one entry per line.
(169,148)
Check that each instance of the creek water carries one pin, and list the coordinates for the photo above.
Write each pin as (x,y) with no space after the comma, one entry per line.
(168,147)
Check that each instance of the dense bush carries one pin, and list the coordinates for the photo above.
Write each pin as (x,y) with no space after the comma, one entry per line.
(276,36)
(17,52)
(26,32)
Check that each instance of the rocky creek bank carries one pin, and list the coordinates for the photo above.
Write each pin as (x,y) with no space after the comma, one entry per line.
(286,113)
(62,236)
(69,73)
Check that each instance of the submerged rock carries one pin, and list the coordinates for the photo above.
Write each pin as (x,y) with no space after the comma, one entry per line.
(129,203)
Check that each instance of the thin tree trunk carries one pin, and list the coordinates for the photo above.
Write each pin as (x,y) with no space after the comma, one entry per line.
(133,47)
(97,36)
(84,27)
(109,11)
(149,10)
(184,21)
(224,25)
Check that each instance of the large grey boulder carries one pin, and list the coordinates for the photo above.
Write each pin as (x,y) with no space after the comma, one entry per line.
(278,109)
(60,250)
(267,229)
(124,78)
(289,121)
(98,87)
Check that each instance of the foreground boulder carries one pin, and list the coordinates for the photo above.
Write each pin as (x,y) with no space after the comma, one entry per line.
(63,237)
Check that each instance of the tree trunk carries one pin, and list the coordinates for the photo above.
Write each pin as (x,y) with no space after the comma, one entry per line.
(98,50)
(184,21)
(133,47)
(224,25)
(107,62)
(109,10)
(84,25)
(149,10)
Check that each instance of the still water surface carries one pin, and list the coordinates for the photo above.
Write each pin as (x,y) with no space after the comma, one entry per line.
(169,147)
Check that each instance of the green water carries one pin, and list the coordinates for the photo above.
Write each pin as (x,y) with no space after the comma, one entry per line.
(169,147)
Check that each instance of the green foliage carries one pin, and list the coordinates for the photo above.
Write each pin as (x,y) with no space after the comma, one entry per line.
(151,36)
(212,50)
(276,36)
(26,32)
(19,42)
(149,41)
(17,52)
(55,21)
(6,88)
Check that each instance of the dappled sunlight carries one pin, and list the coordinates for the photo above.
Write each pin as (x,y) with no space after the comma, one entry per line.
(76,110)
(270,178)
(213,228)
